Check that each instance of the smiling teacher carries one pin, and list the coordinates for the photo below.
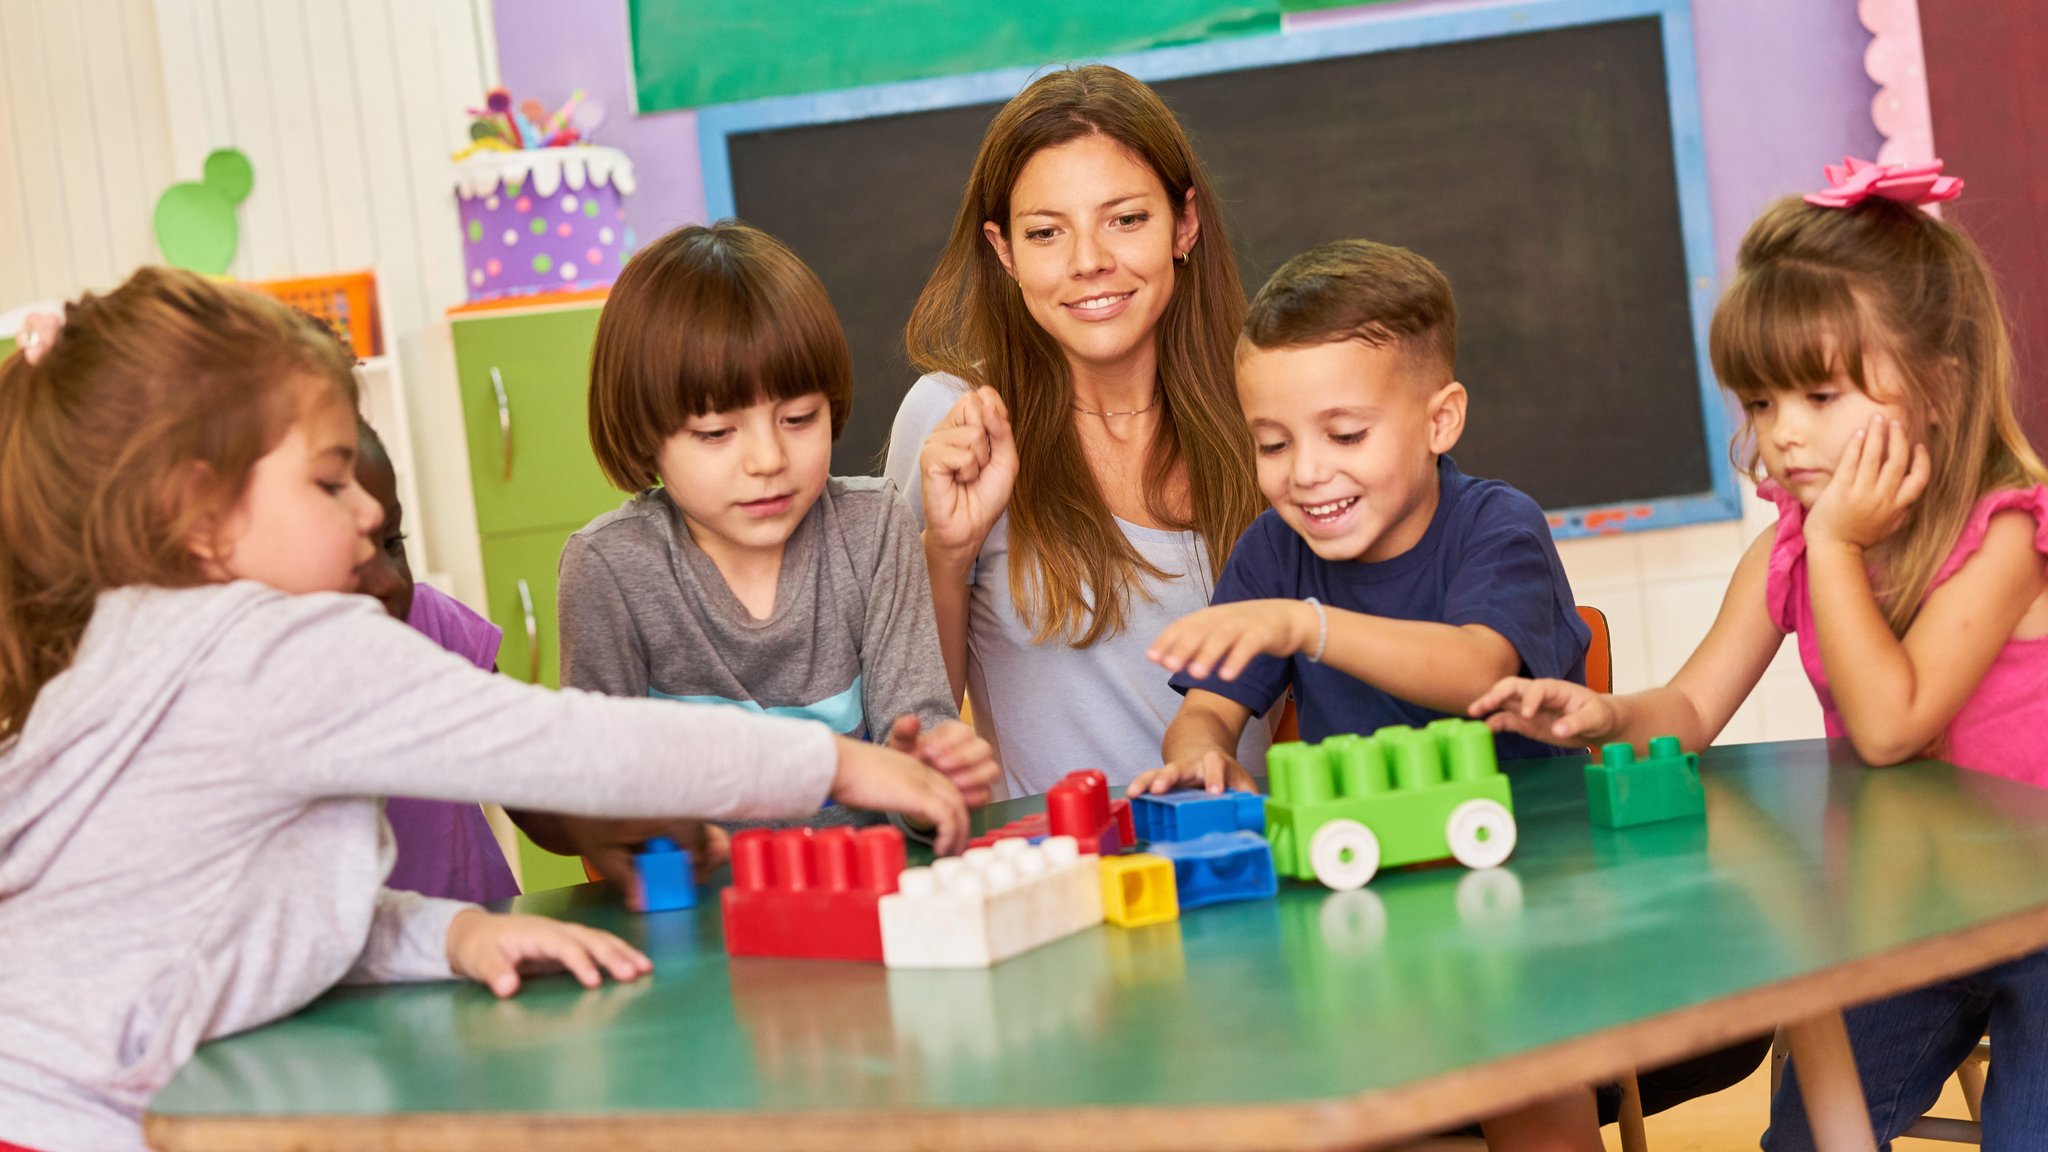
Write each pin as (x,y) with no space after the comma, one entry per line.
(1076,450)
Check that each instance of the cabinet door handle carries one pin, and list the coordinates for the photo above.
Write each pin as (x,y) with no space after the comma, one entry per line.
(532,632)
(504,419)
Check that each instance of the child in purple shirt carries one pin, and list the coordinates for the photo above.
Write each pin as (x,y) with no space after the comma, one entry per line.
(449,849)
(444,849)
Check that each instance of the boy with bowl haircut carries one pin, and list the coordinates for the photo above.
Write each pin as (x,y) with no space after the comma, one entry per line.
(1384,585)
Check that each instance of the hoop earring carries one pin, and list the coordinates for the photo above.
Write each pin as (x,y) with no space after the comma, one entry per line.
(1181,259)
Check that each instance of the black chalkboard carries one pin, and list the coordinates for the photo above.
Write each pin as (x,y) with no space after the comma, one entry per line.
(1537,169)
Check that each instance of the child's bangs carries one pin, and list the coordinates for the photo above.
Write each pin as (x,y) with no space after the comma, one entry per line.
(1785,326)
(729,346)
(762,358)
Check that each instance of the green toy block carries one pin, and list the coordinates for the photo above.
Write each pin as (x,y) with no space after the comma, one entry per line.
(1622,791)
(1346,807)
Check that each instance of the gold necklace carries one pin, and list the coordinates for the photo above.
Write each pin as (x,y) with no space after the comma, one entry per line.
(1132,412)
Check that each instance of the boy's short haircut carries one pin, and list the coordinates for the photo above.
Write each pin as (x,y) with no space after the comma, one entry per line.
(1358,290)
(703,320)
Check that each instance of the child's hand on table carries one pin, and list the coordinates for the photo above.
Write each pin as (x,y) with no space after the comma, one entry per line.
(494,949)
(1553,711)
(882,779)
(1213,771)
(953,749)
(1220,641)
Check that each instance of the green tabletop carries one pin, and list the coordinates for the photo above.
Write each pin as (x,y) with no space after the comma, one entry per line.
(1431,997)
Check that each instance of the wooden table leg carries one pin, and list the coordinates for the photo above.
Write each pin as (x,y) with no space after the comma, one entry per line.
(1829,1085)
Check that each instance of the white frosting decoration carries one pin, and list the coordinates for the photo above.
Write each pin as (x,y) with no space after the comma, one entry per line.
(485,173)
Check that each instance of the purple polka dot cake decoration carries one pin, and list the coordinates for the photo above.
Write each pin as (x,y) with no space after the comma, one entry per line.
(540,211)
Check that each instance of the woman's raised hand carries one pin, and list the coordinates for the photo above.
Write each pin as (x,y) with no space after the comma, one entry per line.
(968,466)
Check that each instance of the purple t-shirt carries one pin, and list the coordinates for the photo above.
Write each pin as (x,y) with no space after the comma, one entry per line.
(448,849)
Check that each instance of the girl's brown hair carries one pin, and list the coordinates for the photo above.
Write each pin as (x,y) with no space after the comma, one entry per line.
(142,420)
(1072,571)
(1820,291)
(708,320)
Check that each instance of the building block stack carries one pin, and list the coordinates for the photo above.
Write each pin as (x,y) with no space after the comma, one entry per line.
(1622,792)
(1344,808)
(995,902)
(810,893)
(1078,806)
(1217,844)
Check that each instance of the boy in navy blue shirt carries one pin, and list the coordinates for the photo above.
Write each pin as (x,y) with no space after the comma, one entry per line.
(1384,585)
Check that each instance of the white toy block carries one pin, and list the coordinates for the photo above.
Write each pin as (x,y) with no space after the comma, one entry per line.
(980,909)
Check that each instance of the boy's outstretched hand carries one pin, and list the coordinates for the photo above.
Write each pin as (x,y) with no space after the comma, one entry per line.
(1221,640)
(494,949)
(954,749)
(884,780)
(1212,771)
(1553,711)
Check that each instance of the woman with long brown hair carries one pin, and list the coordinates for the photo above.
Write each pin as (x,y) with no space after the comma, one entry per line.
(1076,449)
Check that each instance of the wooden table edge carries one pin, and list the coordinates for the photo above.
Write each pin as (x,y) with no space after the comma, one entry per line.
(1376,1119)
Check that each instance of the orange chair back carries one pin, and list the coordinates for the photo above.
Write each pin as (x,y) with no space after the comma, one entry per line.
(1600,653)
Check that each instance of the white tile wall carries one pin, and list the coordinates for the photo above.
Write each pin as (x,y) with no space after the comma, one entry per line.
(348,111)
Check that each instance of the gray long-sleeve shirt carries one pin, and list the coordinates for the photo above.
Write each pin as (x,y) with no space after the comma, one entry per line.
(191,830)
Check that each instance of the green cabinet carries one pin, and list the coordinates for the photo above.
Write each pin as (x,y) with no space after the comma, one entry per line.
(519,586)
(524,379)
(525,388)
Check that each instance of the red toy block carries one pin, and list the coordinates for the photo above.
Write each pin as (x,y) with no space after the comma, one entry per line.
(810,893)
(1078,806)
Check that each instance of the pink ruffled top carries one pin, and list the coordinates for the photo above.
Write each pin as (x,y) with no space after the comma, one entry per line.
(1998,729)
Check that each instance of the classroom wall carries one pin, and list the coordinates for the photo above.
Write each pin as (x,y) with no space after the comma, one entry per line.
(349,113)
(1782,91)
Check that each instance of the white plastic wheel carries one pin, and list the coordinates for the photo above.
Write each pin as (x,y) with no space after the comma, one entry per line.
(1481,832)
(1345,854)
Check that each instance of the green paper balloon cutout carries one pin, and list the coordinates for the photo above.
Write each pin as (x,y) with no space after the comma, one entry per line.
(195,223)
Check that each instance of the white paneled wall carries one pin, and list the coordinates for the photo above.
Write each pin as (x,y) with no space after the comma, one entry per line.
(84,144)
(1661,590)
(348,111)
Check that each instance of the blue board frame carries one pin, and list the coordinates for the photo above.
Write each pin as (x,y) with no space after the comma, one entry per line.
(1372,32)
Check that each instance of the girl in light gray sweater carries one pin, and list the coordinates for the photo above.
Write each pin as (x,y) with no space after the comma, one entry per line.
(197,724)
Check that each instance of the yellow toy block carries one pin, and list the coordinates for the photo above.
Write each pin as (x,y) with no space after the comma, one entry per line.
(1138,890)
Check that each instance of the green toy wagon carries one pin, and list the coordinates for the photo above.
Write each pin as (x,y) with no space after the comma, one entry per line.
(1342,809)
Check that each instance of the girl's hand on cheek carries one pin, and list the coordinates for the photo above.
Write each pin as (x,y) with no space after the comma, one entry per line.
(1873,488)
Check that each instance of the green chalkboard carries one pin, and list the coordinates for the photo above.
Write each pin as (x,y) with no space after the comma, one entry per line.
(688,53)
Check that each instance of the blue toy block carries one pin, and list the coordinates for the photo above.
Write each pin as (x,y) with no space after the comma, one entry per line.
(1221,867)
(667,879)
(1191,814)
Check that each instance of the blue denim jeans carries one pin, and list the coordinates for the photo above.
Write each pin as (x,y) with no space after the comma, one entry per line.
(1908,1046)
